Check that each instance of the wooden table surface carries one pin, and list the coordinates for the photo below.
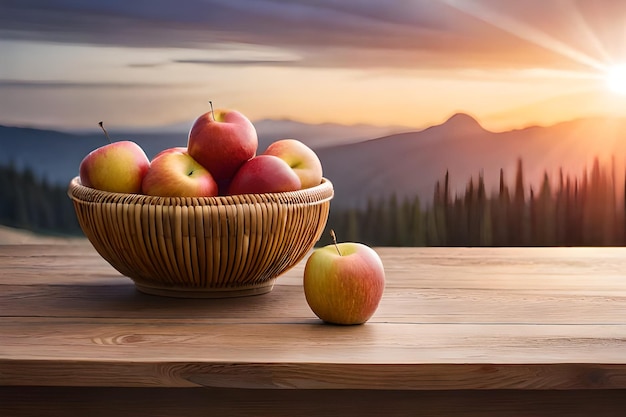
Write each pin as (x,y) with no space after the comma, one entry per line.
(459,331)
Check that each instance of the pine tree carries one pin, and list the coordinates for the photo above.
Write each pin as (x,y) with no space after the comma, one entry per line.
(544,226)
(485,237)
(417,227)
(499,212)
(518,213)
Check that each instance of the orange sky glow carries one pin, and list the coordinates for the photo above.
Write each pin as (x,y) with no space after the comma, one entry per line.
(508,64)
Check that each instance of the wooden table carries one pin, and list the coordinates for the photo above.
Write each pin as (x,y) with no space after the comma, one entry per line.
(459,332)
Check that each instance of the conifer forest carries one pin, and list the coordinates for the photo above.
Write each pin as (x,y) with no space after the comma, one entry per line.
(33,204)
(583,210)
(587,210)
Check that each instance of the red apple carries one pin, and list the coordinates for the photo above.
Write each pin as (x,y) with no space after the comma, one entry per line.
(168,150)
(221,141)
(117,167)
(302,159)
(174,173)
(264,174)
(344,283)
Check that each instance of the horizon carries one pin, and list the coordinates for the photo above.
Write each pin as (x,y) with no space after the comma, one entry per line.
(178,127)
(70,64)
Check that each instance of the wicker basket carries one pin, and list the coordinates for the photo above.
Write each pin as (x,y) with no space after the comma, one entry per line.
(202,247)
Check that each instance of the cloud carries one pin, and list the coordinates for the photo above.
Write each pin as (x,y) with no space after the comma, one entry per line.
(237,62)
(64,85)
(364,33)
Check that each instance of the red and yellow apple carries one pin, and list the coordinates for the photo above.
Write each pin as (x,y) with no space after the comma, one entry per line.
(302,159)
(182,149)
(264,174)
(220,159)
(174,173)
(117,167)
(221,141)
(344,283)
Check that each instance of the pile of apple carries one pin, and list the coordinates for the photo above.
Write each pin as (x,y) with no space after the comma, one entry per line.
(343,283)
(220,159)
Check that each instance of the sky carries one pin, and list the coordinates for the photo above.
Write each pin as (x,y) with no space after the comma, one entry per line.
(68,64)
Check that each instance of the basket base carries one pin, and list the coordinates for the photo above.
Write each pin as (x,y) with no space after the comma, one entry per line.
(186,292)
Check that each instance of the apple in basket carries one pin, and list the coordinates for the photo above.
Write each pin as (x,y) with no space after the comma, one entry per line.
(264,174)
(344,283)
(116,167)
(222,140)
(302,159)
(174,173)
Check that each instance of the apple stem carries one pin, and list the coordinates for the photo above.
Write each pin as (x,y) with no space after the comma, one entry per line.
(105,131)
(334,237)
(212,113)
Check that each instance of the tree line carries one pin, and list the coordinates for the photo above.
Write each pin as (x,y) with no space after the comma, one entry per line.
(30,203)
(564,211)
(587,210)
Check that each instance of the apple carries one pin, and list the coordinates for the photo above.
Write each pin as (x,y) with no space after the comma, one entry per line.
(221,141)
(302,159)
(117,167)
(264,174)
(168,150)
(174,173)
(344,283)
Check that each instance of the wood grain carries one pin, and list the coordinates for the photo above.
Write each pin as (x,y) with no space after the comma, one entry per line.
(451,319)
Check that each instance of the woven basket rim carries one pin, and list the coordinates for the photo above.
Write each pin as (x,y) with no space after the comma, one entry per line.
(313,195)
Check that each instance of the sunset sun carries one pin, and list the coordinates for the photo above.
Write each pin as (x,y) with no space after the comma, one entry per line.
(616,79)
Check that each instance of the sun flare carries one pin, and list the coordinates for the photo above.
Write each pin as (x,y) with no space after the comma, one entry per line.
(616,79)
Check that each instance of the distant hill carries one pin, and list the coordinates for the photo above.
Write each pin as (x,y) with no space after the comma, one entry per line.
(56,155)
(321,135)
(411,163)
(365,161)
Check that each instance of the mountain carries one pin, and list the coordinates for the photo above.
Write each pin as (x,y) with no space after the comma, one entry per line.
(320,135)
(411,163)
(364,167)
(316,136)
(56,155)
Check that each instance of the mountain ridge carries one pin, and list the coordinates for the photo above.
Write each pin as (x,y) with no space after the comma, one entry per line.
(405,164)
(411,163)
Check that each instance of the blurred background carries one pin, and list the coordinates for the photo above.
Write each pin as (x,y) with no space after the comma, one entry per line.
(439,122)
